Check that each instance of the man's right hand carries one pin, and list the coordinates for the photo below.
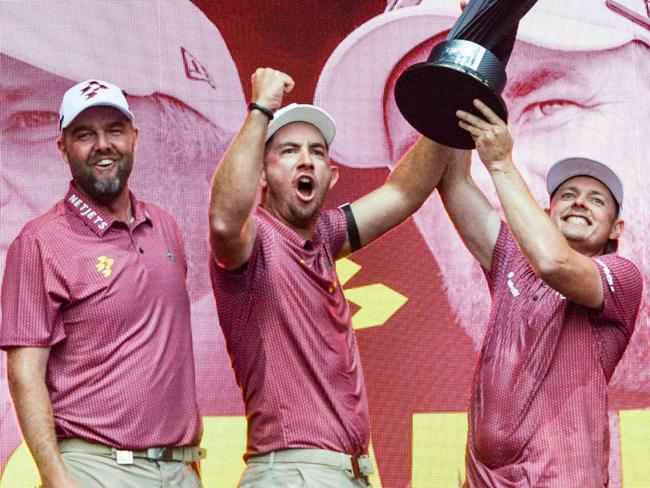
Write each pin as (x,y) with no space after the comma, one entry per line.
(269,87)
(491,134)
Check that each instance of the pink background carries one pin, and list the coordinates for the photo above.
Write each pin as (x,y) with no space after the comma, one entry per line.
(422,358)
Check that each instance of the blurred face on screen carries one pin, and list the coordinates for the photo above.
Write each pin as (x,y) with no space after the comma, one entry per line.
(561,104)
(32,176)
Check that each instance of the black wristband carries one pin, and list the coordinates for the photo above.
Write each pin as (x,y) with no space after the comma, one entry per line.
(353,230)
(261,108)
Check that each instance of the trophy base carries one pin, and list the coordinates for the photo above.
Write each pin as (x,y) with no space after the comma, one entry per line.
(428,95)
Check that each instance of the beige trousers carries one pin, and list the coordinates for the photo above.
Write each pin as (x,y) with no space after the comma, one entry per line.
(297,475)
(101,471)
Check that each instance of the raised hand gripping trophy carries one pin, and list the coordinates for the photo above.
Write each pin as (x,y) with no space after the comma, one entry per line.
(469,64)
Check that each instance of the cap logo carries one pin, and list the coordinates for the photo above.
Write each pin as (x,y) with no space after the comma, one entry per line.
(92,88)
(195,70)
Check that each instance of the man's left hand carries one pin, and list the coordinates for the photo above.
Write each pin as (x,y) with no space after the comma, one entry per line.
(492,135)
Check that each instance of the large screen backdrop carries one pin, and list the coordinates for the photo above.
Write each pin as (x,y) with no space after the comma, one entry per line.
(579,85)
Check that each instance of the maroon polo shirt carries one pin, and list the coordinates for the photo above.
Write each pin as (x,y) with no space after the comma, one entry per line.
(288,331)
(538,414)
(110,301)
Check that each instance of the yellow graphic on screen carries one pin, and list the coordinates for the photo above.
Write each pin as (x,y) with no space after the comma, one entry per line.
(223,437)
(437,456)
(104,264)
(438,450)
(634,426)
(377,303)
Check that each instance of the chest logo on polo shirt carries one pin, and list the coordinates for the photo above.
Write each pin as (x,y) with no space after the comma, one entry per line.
(104,265)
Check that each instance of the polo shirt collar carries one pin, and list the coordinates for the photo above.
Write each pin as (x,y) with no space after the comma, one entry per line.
(95,219)
(288,233)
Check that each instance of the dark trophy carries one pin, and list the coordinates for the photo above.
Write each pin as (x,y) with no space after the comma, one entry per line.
(469,64)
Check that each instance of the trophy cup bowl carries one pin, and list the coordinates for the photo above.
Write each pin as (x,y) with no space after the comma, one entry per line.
(469,64)
(457,71)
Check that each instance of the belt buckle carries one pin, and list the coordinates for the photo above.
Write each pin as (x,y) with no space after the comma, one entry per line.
(361,466)
(365,465)
(160,453)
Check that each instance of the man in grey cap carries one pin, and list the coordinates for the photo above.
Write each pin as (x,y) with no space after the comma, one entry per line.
(564,306)
(183,85)
(578,86)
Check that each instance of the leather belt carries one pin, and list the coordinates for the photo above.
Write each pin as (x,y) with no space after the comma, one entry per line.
(185,454)
(358,466)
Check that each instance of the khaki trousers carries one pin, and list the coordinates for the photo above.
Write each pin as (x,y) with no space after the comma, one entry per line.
(102,471)
(276,474)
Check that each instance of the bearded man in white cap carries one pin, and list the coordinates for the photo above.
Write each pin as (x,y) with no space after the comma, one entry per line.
(95,335)
(286,321)
(183,86)
(578,86)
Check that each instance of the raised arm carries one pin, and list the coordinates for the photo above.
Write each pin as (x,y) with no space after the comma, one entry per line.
(26,368)
(237,178)
(564,269)
(476,221)
(405,190)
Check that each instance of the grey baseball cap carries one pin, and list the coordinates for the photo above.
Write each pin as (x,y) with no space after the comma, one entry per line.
(570,167)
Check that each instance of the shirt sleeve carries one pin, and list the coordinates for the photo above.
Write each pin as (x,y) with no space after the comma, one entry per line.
(334,226)
(501,254)
(232,288)
(33,292)
(622,290)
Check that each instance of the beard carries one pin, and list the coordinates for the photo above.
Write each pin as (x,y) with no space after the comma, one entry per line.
(104,190)
(299,216)
(302,217)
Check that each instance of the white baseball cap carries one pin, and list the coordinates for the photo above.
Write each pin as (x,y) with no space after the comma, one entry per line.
(569,167)
(296,112)
(91,93)
(145,47)
(353,82)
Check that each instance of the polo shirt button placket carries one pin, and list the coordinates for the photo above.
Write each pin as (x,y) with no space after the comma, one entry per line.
(135,244)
